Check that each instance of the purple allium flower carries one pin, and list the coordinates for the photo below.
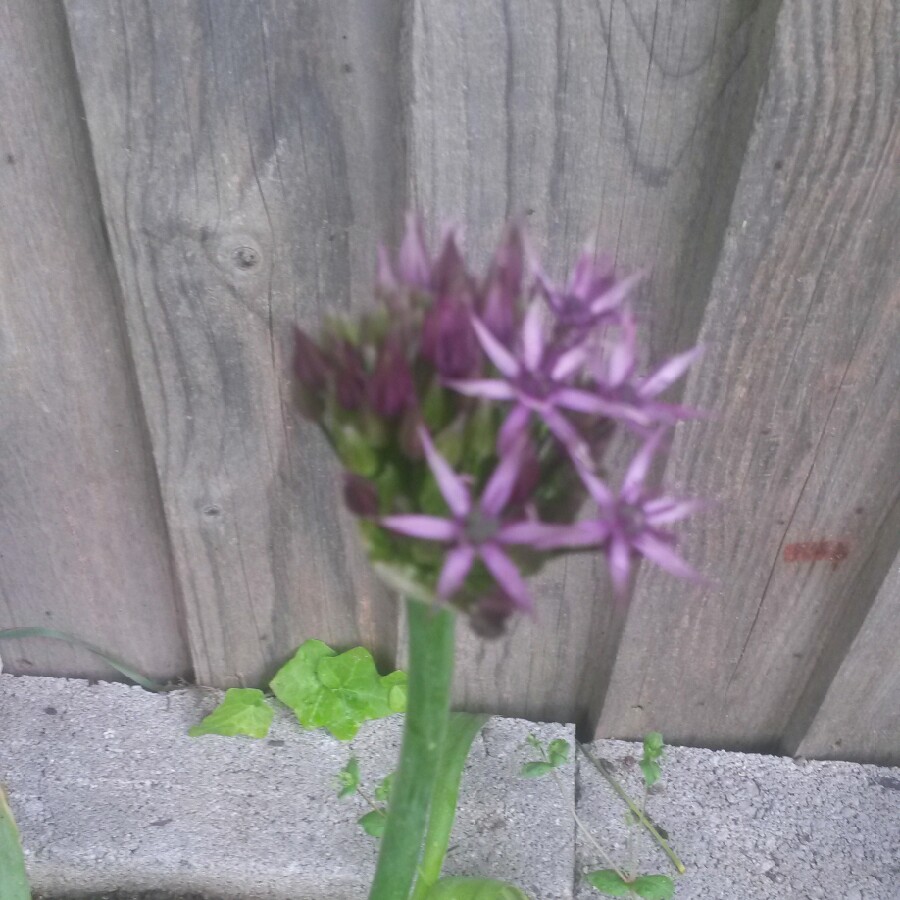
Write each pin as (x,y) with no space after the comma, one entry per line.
(629,523)
(448,338)
(349,376)
(538,379)
(475,530)
(504,287)
(489,613)
(360,495)
(592,296)
(614,378)
(310,363)
(391,388)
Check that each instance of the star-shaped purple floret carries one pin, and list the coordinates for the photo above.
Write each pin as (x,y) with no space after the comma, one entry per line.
(475,529)
(629,523)
(538,379)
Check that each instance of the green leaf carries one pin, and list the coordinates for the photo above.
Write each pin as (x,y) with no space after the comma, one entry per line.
(536,769)
(242,711)
(651,770)
(654,887)
(13,879)
(608,881)
(653,745)
(397,686)
(457,888)
(337,691)
(373,823)
(348,778)
(532,741)
(383,791)
(558,751)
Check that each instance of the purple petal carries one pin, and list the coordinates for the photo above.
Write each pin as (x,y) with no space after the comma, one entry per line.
(491,388)
(664,556)
(568,363)
(513,427)
(566,434)
(622,359)
(584,401)
(619,557)
(597,488)
(452,487)
(668,373)
(665,510)
(502,481)
(615,295)
(428,528)
(640,465)
(498,354)
(551,537)
(533,337)
(413,257)
(507,575)
(456,566)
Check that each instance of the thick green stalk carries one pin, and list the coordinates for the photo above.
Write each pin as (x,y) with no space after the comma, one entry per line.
(431,633)
(461,731)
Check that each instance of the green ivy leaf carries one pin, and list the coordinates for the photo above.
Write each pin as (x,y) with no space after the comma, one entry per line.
(651,770)
(373,823)
(337,691)
(536,769)
(242,711)
(348,778)
(558,751)
(383,791)
(608,881)
(654,887)
(457,888)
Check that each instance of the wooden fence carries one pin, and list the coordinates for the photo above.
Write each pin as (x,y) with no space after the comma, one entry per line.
(181,180)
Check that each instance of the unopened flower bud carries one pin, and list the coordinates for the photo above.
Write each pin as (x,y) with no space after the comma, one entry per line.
(391,388)
(360,495)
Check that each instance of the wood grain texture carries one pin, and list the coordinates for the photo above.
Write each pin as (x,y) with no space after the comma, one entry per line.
(859,717)
(802,374)
(616,124)
(248,161)
(83,546)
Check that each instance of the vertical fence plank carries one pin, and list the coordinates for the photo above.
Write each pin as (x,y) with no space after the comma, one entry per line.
(860,717)
(614,123)
(82,539)
(247,165)
(802,376)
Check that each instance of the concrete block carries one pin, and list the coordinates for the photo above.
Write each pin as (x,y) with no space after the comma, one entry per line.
(751,826)
(112,795)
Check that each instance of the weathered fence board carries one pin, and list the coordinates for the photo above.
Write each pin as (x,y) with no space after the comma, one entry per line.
(617,124)
(802,376)
(860,715)
(82,539)
(247,165)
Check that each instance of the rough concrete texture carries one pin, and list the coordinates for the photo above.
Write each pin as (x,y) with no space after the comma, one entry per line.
(752,827)
(112,795)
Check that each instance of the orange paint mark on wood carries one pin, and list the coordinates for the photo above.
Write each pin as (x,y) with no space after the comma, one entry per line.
(814,551)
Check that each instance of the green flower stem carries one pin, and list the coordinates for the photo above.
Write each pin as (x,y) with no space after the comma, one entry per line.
(461,731)
(603,769)
(431,634)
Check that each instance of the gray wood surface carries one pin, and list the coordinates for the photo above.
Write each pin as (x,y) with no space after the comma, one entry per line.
(248,162)
(859,717)
(802,374)
(619,125)
(83,546)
